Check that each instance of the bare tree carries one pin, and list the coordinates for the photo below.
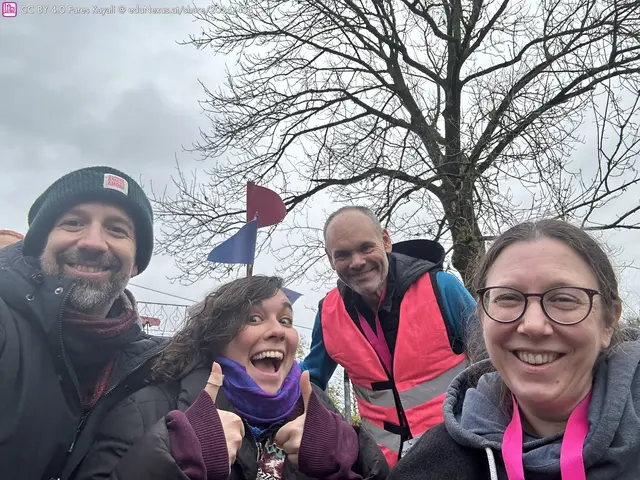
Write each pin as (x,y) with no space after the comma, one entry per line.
(633,322)
(452,119)
(302,349)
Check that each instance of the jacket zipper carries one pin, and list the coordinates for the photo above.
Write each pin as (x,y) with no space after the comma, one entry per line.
(83,418)
(85,413)
(253,441)
(88,412)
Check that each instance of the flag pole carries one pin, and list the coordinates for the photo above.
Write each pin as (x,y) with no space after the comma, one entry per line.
(250,265)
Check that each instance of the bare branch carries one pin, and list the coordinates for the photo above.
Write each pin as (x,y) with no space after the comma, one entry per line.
(452,120)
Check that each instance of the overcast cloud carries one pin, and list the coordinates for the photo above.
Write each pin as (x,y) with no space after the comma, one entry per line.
(85,89)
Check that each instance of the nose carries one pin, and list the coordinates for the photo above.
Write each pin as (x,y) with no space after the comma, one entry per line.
(357,261)
(534,322)
(275,330)
(93,238)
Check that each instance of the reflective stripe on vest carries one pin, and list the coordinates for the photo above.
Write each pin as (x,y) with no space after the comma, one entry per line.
(388,441)
(412,397)
(384,438)
(423,365)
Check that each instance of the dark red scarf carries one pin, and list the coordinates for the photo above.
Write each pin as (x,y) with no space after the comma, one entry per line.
(92,344)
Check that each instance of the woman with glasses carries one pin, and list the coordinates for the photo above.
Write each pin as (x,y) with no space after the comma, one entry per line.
(559,395)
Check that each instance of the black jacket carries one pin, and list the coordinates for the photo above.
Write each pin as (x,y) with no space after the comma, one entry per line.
(133,442)
(43,432)
(438,456)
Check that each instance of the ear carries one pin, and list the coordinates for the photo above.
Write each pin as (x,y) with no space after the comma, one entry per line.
(386,240)
(134,271)
(329,258)
(616,313)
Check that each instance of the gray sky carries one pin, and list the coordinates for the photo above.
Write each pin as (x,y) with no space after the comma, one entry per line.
(85,89)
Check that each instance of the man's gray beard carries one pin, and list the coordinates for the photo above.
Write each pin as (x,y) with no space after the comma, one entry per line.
(89,296)
(357,288)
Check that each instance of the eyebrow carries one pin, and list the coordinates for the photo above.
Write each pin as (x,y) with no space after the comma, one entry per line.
(109,218)
(549,286)
(366,243)
(121,219)
(285,306)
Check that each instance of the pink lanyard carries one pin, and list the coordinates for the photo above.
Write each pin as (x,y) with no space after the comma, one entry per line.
(571,461)
(377,340)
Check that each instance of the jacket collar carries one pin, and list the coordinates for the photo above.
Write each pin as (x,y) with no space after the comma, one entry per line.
(37,297)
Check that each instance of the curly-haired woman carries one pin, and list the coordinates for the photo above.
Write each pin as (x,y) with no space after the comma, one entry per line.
(253,414)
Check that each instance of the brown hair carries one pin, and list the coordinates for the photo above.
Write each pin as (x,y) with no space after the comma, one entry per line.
(211,325)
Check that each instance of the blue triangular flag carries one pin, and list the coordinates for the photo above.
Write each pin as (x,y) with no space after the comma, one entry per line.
(241,248)
(291,295)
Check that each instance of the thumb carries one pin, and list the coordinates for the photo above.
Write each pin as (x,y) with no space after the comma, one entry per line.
(214,382)
(305,388)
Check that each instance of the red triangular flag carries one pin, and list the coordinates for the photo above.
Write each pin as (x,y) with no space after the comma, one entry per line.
(265,204)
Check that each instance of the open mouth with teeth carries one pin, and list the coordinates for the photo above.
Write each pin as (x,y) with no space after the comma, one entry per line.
(268,362)
(88,268)
(537,358)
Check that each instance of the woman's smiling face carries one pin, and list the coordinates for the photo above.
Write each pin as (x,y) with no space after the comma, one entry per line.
(266,345)
(547,366)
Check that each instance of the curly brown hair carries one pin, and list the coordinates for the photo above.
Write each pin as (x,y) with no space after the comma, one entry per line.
(211,325)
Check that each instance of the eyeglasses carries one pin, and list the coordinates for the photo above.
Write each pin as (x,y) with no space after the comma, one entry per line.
(563,305)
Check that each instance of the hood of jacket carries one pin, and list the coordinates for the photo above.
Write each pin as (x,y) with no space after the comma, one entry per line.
(474,418)
(411,259)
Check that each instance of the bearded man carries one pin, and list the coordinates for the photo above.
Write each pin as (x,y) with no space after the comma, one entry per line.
(71,344)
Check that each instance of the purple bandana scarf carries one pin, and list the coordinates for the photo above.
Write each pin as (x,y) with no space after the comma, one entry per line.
(252,403)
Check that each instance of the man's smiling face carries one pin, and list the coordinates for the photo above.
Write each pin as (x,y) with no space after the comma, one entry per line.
(93,243)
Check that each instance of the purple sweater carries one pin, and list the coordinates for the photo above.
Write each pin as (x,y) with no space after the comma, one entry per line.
(328,449)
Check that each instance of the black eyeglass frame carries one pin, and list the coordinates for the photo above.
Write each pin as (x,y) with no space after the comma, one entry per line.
(589,291)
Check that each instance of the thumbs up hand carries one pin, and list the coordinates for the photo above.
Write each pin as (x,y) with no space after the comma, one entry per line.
(290,435)
(231,423)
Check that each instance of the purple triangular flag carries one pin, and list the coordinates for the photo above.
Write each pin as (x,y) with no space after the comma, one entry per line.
(241,248)
(291,295)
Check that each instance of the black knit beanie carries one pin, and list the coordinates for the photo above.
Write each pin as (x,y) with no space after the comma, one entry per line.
(91,184)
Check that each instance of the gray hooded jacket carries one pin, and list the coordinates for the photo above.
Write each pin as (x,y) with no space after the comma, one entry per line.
(474,420)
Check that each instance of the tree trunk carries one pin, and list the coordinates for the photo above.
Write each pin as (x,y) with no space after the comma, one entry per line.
(458,178)
(466,236)
(347,398)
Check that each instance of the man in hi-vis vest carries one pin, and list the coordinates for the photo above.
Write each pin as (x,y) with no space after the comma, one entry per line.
(395,323)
